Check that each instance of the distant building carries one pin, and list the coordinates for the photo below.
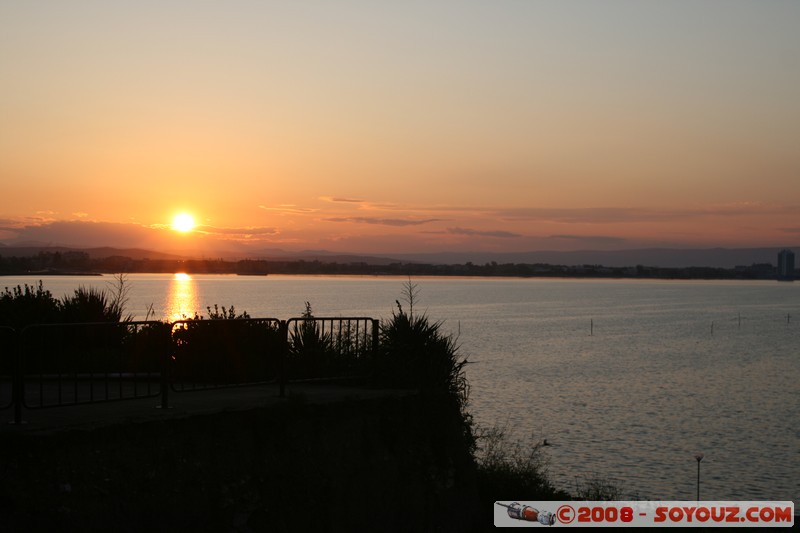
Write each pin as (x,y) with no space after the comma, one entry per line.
(786,265)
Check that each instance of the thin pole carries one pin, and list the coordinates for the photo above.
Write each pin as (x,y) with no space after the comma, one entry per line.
(698,480)
(699,457)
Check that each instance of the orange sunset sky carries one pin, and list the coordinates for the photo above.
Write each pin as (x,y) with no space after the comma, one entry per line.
(379,127)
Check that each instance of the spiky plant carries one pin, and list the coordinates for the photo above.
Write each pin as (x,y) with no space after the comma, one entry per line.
(311,351)
(89,304)
(415,352)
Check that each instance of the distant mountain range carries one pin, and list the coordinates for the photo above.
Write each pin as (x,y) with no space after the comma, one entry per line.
(654,257)
(29,250)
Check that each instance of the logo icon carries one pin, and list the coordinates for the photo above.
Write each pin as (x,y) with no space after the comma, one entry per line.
(528,513)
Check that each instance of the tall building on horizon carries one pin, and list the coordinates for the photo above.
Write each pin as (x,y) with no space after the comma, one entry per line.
(786,265)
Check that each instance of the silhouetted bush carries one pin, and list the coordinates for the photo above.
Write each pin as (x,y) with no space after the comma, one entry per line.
(8,352)
(31,304)
(146,347)
(85,332)
(311,351)
(90,305)
(416,353)
(226,349)
(341,351)
(512,467)
(595,488)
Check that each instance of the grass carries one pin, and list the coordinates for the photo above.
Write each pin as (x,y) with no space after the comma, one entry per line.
(513,468)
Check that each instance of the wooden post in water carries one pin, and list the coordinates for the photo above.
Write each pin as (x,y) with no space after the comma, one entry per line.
(712,328)
(591,327)
(740,320)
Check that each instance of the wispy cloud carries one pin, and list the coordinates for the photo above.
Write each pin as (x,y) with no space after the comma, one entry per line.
(342,200)
(363,204)
(557,215)
(478,233)
(589,239)
(122,235)
(7,223)
(82,233)
(289,208)
(382,221)
(616,215)
(596,215)
(42,217)
(244,232)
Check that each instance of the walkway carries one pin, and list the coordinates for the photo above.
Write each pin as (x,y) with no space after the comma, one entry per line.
(184,404)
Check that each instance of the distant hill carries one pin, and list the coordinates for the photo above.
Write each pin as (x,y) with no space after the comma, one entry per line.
(323,256)
(94,253)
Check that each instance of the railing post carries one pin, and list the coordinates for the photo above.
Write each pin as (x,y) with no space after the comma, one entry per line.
(165,358)
(375,334)
(17,380)
(164,383)
(284,333)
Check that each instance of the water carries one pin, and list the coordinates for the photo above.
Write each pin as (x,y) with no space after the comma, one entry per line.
(626,379)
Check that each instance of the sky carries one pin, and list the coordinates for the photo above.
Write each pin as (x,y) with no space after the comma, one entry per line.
(414,126)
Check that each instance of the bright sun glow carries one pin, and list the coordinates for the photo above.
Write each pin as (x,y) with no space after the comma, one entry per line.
(183,222)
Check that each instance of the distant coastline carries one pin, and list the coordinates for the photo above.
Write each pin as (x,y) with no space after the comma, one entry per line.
(53,272)
(82,264)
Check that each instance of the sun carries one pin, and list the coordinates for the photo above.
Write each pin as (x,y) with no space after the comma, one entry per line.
(183,222)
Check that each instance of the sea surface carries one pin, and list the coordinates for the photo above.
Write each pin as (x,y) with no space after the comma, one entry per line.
(626,380)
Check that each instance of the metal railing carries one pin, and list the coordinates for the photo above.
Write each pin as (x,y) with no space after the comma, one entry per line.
(71,364)
(52,365)
(329,347)
(212,354)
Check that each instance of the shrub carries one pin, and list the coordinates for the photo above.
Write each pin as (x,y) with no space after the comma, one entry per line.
(91,305)
(147,346)
(227,348)
(415,353)
(512,468)
(32,304)
(54,348)
(306,338)
(311,351)
(595,488)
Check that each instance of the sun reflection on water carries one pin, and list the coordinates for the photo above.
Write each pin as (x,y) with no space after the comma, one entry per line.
(182,299)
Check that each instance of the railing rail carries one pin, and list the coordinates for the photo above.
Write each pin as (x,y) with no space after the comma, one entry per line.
(53,365)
